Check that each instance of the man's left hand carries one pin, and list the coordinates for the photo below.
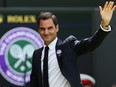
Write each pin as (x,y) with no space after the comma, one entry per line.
(106,13)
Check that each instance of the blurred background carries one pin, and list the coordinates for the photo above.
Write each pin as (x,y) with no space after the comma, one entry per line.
(18,34)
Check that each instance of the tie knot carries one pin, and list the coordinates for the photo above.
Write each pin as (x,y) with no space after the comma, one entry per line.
(46,48)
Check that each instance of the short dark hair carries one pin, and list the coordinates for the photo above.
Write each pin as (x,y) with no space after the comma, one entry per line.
(47,15)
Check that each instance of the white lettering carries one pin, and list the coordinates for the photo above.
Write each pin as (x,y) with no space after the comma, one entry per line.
(22,33)
(13,76)
(2,49)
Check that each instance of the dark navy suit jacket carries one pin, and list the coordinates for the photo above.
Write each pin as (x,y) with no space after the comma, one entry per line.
(67,52)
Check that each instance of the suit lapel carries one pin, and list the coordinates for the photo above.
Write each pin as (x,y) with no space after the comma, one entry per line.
(59,50)
(39,65)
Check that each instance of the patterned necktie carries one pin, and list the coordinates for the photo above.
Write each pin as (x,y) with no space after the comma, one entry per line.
(45,68)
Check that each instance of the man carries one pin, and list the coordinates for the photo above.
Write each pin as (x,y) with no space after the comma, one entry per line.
(62,70)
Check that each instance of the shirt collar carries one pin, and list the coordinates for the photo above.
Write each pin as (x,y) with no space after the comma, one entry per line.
(52,44)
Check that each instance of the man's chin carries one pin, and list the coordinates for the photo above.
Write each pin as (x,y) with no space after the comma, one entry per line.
(47,41)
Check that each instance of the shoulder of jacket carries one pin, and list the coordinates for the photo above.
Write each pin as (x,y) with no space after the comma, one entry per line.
(38,50)
(70,38)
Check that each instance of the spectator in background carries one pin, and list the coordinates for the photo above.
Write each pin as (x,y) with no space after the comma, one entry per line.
(87,80)
(114,84)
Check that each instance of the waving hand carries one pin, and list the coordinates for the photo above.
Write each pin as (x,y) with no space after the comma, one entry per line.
(106,13)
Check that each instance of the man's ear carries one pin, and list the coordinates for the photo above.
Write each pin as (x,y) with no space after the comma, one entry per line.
(57,27)
(38,29)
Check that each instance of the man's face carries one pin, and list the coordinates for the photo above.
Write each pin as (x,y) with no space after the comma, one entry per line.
(48,30)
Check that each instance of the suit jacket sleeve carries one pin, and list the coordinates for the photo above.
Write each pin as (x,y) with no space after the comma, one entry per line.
(33,77)
(88,44)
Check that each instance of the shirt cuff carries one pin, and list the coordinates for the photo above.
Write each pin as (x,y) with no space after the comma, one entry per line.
(106,30)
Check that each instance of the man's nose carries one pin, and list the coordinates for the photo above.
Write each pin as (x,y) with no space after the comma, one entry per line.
(46,32)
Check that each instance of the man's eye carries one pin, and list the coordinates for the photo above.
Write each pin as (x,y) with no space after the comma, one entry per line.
(42,29)
(50,28)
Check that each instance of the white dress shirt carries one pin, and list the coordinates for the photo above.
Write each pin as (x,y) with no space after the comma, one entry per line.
(56,79)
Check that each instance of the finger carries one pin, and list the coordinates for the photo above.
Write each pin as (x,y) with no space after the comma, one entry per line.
(110,5)
(100,8)
(106,4)
(114,8)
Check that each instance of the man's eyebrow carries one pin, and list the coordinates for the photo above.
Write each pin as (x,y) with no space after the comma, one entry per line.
(50,26)
(42,28)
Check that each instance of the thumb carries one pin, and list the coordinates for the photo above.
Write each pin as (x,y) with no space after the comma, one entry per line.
(100,8)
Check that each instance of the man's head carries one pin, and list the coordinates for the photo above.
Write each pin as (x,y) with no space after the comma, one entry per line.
(48,27)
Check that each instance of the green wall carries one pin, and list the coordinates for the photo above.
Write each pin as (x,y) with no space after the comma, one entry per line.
(52,3)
